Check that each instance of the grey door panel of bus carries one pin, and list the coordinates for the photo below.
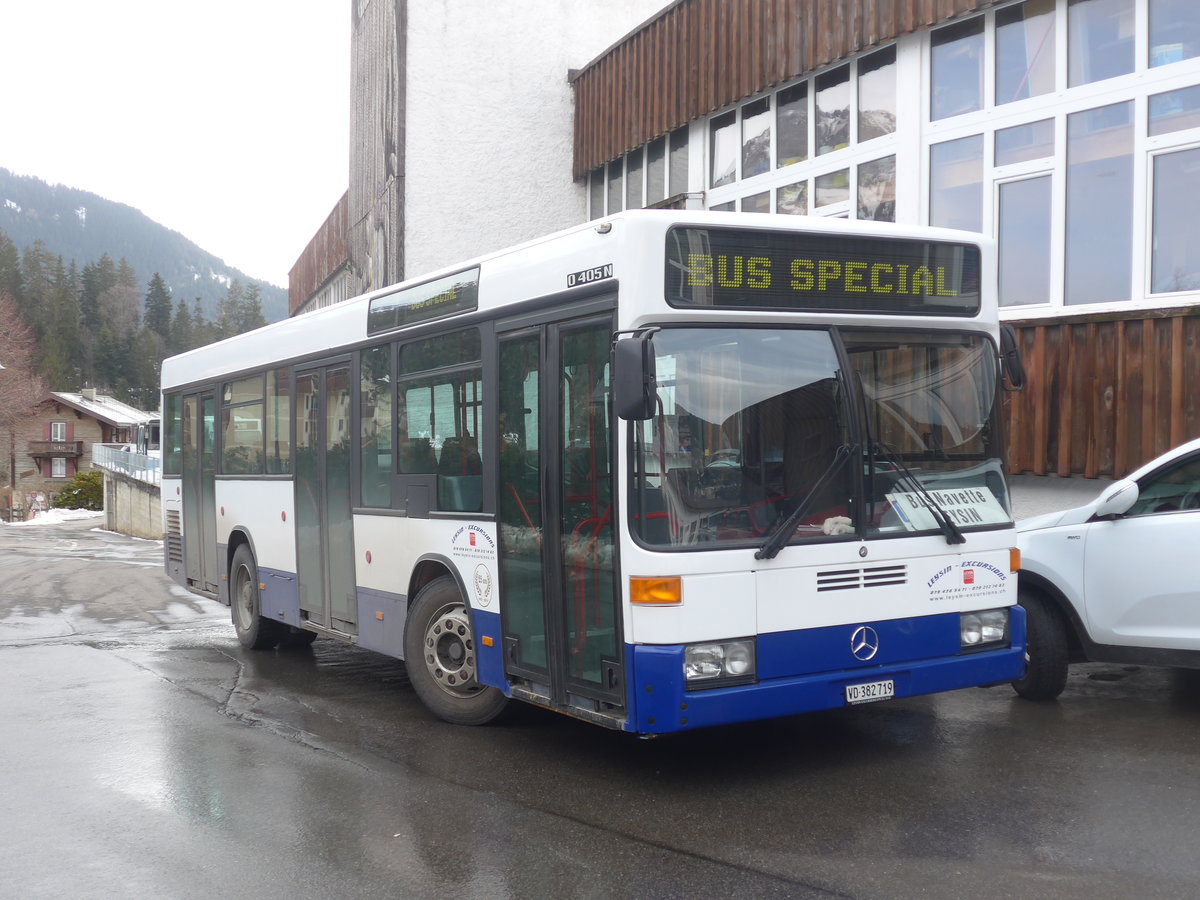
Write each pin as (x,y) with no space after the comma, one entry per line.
(561,610)
(324,526)
(199,487)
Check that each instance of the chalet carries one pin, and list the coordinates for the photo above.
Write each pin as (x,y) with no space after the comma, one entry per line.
(56,441)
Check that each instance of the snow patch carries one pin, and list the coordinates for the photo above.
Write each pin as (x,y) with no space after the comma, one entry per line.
(10,204)
(56,517)
(81,214)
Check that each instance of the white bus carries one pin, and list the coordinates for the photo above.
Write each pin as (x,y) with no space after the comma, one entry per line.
(661,471)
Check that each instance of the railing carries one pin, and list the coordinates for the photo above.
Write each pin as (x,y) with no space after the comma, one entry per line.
(56,448)
(114,458)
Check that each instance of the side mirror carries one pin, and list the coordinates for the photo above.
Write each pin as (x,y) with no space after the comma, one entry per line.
(1011,366)
(634,389)
(1117,499)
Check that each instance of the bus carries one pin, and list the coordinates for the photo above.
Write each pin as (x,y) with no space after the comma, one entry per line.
(661,471)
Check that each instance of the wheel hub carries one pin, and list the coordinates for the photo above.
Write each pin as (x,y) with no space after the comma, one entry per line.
(450,652)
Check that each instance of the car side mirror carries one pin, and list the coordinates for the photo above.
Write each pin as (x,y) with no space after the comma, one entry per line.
(634,388)
(1117,499)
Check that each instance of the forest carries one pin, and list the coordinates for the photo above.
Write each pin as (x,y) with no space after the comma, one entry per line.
(66,326)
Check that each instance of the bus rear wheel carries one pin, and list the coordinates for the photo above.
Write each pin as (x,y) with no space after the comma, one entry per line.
(245,604)
(440,655)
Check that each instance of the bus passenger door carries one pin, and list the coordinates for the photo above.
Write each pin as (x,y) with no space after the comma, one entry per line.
(324,525)
(199,491)
(561,607)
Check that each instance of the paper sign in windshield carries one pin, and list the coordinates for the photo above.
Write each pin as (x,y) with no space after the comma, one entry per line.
(966,507)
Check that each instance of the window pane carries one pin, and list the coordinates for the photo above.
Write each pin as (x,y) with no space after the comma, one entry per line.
(58,431)
(957,77)
(877,94)
(1025,51)
(633,180)
(679,162)
(792,199)
(1024,239)
(833,187)
(172,434)
(724,150)
(1025,142)
(757,203)
(756,137)
(1099,204)
(656,171)
(724,207)
(956,184)
(792,123)
(440,352)
(244,390)
(242,439)
(596,192)
(278,422)
(877,190)
(833,110)
(375,426)
(1174,31)
(1176,255)
(614,186)
(1175,110)
(1099,40)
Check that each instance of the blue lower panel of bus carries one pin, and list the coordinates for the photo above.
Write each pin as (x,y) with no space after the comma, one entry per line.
(804,671)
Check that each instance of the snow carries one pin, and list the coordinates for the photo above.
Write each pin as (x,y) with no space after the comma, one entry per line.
(55,517)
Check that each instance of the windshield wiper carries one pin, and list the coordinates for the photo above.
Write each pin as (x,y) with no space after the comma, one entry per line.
(783,531)
(945,523)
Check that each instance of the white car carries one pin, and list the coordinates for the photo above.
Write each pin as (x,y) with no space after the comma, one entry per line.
(1116,580)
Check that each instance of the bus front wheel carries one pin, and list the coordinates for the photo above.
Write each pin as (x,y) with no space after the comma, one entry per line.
(245,604)
(440,655)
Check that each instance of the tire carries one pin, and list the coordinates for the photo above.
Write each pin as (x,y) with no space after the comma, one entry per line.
(439,653)
(245,604)
(1046,651)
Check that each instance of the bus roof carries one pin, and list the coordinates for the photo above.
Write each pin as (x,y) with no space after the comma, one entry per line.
(538,268)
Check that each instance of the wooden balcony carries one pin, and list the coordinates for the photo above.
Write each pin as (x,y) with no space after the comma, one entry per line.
(55,448)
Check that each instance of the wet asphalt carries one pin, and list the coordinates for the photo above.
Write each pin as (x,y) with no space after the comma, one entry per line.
(145,754)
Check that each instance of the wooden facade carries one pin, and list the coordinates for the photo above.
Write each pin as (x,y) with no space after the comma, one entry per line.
(697,56)
(325,254)
(1106,392)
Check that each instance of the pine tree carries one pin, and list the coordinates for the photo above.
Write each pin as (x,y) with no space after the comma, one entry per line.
(182,329)
(158,307)
(98,277)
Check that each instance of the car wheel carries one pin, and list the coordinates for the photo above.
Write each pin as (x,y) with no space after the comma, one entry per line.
(440,655)
(1045,650)
(253,631)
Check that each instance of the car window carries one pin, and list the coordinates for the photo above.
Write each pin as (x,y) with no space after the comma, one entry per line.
(1168,490)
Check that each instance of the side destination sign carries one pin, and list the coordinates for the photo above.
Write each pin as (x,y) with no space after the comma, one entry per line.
(752,269)
(431,300)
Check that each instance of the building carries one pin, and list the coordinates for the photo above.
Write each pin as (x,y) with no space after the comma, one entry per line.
(56,441)
(1069,130)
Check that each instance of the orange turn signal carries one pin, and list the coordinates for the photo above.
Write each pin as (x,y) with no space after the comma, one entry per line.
(1014,559)
(655,589)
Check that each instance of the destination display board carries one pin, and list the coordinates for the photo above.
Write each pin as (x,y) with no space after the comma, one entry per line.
(760,269)
(422,302)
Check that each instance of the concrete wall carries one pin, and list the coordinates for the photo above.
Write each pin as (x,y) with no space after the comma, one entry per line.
(132,507)
(488,129)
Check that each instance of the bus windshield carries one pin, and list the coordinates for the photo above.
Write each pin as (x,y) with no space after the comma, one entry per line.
(837,433)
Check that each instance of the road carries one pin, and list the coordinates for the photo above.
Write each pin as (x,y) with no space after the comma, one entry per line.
(145,754)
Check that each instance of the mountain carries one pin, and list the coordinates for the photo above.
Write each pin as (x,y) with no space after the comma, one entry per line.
(82,226)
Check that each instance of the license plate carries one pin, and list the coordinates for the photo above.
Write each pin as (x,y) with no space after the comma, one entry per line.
(870,691)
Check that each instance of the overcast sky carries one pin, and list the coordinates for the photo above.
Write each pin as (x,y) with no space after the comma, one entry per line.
(225,120)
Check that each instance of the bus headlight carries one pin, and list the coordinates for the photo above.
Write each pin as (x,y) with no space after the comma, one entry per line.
(983,629)
(718,664)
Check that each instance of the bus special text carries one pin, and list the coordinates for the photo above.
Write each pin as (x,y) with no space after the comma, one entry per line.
(821,275)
